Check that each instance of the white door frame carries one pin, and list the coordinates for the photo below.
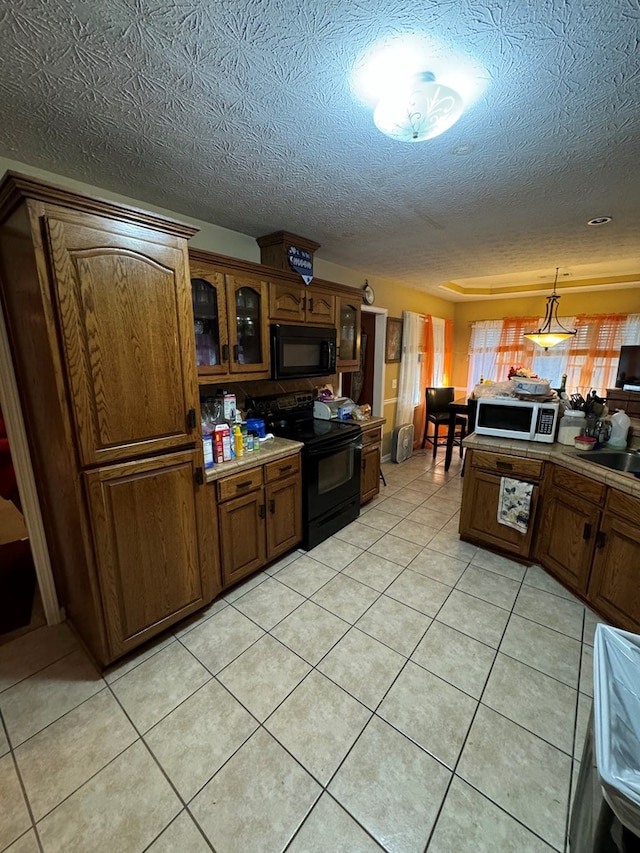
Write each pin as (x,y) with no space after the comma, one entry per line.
(377,405)
(21,458)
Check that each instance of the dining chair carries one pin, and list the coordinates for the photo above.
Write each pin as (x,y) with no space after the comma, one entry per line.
(438,400)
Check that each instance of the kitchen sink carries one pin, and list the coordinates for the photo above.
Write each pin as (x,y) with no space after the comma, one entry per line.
(619,460)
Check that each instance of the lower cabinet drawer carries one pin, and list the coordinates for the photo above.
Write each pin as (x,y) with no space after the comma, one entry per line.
(282,468)
(239,484)
(371,436)
(508,466)
(576,484)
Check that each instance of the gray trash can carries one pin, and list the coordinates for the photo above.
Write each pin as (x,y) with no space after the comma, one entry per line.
(605,815)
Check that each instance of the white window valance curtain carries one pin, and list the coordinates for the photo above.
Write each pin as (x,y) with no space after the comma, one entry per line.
(408,381)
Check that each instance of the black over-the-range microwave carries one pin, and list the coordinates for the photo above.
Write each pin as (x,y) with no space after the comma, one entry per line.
(301,351)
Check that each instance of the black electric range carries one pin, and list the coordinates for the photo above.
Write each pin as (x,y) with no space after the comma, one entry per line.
(331,461)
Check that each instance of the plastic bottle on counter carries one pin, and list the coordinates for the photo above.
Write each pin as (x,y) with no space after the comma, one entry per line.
(237,438)
(620,423)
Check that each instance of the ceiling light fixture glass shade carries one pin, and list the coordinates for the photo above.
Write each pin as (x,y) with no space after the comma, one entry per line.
(420,111)
(547,337)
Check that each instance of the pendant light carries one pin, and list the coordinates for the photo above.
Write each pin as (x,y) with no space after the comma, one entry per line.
(546,336)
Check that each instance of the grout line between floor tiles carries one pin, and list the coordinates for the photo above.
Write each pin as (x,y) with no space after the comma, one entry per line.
(199,828)
(529,829)
(575,725)
(464,743)
(42,668)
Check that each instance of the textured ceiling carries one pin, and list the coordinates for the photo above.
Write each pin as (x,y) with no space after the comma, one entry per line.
(241,113)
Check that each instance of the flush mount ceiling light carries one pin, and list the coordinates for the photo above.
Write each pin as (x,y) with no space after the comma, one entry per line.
(419,110)
(546,336)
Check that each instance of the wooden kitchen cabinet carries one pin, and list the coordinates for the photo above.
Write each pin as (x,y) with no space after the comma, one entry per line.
(124,311)
(242,536)
(230,309)
(260,516)
(290,302)
(478,517)
(150,581)
(614,586)
(209,302)
(284,520)
(628,401)
(371,450)
(348,326)
(284,506)
(97,303)
(247,301)
(570,519)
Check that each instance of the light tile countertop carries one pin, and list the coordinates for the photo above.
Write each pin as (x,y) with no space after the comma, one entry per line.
(270,450)
(371,422)
(560,454)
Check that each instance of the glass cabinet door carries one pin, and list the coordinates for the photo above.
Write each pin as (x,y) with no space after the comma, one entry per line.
(349,334)
(249,343)
(247,300)
(211,352)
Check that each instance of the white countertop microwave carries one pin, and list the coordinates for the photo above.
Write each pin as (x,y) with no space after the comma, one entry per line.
(508,417)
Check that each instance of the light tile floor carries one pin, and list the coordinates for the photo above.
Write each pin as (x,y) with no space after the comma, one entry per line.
(393,689)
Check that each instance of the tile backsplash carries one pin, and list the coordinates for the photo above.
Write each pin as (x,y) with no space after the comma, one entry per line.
(262,387)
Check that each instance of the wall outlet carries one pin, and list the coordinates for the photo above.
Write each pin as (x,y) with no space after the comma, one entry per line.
(394,383)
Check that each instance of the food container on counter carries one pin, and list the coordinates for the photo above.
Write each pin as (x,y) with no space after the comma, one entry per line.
(256,425)
(584,442)
(532,387)
(571,426)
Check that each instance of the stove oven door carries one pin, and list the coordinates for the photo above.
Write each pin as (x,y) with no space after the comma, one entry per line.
(331,484)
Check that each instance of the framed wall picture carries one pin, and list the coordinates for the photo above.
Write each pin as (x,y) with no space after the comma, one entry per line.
(393,349)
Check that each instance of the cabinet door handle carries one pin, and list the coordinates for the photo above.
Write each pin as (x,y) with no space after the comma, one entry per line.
(310,309)
(507,466)
(225,352)
(586,533)
(272,506)
(285,468)
(199,476)
(191,418)
(236,351)
(261,511)
(243,485)
(601,538)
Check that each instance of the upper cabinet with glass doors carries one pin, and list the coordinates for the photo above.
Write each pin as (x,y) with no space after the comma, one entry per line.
(247,306)
(210,322)
(230,321)
(348,327)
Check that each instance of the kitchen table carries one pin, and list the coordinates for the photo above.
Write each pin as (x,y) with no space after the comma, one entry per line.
(461,406)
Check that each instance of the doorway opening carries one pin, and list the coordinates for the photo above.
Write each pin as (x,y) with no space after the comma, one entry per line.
(20,602)
(367,384)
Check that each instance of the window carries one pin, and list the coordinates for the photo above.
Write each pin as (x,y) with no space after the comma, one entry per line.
(590,358)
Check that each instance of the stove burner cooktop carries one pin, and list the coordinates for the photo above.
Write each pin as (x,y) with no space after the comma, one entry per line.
(291,416)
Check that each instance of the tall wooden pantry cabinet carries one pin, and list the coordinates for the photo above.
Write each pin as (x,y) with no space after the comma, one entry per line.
(97,302)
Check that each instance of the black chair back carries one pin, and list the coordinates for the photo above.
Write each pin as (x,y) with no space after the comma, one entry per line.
(438,400)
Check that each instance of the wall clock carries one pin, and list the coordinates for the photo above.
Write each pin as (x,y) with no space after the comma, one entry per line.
(368,296)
